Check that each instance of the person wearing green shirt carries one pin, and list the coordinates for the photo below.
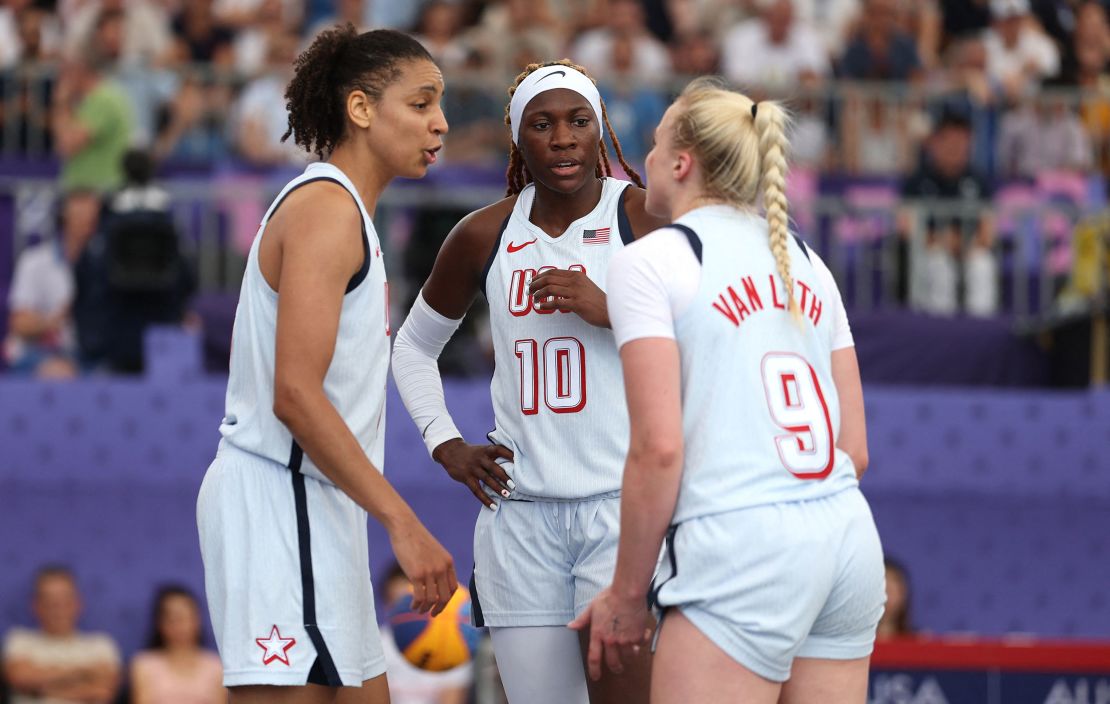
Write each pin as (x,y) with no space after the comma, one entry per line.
(92,127)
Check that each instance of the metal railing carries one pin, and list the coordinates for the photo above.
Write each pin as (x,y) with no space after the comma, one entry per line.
(926,255)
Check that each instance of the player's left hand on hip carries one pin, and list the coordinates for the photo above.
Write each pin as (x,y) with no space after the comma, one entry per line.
(615,625)
(570,291)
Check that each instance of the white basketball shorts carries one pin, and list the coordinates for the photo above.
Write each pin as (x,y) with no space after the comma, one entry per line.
(287,576)
(772,583)
(540,563)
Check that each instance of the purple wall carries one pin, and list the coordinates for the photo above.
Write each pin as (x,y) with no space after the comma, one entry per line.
(997,501)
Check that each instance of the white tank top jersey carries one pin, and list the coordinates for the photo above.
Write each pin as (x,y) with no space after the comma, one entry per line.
(760,411)
(557,388)
(356,378)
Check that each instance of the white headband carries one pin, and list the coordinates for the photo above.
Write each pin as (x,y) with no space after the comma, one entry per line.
(548,78)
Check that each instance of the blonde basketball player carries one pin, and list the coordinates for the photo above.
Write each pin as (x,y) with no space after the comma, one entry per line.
(283,507)
(552,469)
(748,433)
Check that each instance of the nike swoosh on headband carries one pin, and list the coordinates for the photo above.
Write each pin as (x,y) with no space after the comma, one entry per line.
(561,73)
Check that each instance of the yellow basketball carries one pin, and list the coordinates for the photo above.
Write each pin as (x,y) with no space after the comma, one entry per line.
(435,644)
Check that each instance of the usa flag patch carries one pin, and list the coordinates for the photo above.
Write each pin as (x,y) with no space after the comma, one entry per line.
(596,236)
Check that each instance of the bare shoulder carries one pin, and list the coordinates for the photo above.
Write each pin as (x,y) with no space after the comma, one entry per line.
(320,205)
(642,221)
(456,275)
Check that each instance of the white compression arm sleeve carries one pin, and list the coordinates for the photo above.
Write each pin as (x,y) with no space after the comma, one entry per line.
(416,371)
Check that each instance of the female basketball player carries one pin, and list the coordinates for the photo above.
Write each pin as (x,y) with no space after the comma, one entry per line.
(748,432)
(540,257)
(282,511)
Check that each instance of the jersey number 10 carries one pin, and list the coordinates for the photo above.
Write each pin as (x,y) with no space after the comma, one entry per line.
(561,372)
(798,406)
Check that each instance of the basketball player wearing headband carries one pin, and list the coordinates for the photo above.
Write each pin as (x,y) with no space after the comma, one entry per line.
(550,477)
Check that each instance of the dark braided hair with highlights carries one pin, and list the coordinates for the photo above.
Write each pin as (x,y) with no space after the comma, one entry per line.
(517,175)
(339,61)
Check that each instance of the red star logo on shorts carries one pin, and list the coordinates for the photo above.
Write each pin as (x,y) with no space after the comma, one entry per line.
(276,647)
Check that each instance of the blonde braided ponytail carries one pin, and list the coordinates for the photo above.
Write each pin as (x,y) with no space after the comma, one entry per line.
(770,128)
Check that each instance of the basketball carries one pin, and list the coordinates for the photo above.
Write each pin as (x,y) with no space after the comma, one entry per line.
(435,644)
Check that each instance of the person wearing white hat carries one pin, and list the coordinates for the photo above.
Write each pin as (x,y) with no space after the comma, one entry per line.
(1019,54)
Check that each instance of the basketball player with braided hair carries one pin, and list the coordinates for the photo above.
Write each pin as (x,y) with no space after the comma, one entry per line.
(747,432)
(283,507)
(550,475)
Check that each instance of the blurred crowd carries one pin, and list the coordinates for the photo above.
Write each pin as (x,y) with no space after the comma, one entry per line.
(199,80)
(946,104)
(52,660)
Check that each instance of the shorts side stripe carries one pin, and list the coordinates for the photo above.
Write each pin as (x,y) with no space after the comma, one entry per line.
(323,657)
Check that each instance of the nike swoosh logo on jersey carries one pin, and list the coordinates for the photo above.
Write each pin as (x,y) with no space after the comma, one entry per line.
(517,247)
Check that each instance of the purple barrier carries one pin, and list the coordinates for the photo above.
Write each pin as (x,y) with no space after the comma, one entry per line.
(996,501)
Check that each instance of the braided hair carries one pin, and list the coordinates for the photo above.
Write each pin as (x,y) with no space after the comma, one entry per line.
(339,61)
(742,149)
(517,176)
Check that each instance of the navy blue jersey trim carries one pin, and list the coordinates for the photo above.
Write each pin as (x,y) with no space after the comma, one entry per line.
(296,456)
(364,270)
(692,237)
(476,617)
(802,244)
(623,223)
(493,253)
(324,667)
(359,275)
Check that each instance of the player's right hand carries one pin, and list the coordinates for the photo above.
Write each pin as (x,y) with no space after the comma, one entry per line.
(475,465)
(427,564)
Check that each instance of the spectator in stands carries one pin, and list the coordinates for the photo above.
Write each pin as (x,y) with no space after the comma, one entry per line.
(634,109)
(92,124)
(28,39)
(28,33)
(56,663)
(880,50)
(694,54)
(176,668)
(41,338)
(353,11)
(271,22)
(407,683)
(1088,71)
(773,52)
(1042,135)
(258,126)
(649,60)
(951,199)
(246,14)
(874,124)
(144,34)
(833,20)
(515,33)
(896,622)
(1019,55)
(964,18)
(199,38)
(148,88)
(133,275)
(193,128)
(477,121)
(437,28)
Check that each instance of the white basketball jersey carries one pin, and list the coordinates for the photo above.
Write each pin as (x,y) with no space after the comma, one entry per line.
(760,411)
(355,381)
(558,393)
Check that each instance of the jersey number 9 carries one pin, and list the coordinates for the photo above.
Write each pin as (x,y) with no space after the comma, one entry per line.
(798,406)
